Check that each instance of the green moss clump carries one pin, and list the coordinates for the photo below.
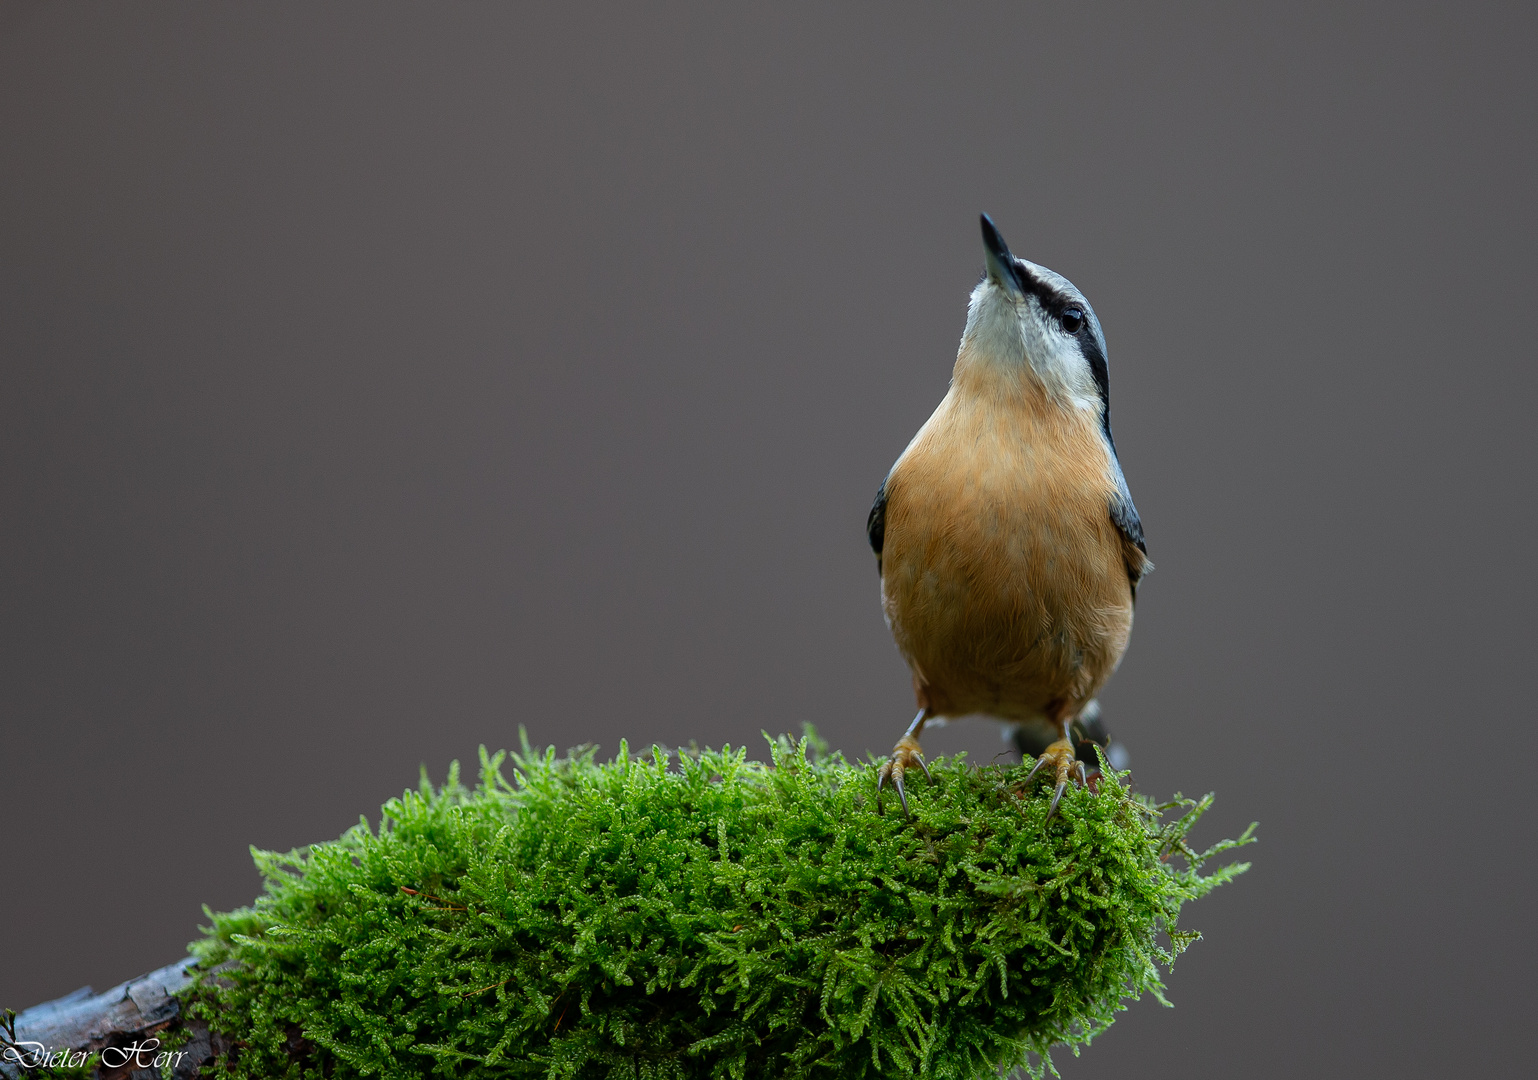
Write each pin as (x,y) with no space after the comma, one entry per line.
(702,915)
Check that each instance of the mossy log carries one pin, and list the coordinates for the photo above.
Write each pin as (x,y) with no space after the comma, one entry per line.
(681,916)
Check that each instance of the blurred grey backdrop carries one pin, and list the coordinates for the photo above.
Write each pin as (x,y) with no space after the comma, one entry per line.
(375,379)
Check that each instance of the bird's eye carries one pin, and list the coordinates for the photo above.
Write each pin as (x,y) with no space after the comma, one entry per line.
(1071,320)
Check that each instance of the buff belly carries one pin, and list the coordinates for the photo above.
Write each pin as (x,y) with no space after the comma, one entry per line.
(1004,579)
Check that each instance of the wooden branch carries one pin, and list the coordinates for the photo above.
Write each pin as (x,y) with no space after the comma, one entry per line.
(124,1025)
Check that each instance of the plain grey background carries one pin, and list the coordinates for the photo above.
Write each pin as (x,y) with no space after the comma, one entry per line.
(376,379)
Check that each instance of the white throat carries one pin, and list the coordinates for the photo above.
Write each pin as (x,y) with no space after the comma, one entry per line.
(1007,340)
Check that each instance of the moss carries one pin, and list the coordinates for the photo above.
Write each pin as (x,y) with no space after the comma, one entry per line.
(703,915)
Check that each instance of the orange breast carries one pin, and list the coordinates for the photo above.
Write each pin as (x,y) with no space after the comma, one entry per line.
(1003,576)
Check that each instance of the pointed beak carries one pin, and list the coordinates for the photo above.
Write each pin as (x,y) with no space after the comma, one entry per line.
(1002,268)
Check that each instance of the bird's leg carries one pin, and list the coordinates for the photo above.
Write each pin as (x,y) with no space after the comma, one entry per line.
(1064,762)
(905,755)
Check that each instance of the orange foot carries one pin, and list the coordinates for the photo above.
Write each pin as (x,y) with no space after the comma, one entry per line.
(906,754)
(1065,766)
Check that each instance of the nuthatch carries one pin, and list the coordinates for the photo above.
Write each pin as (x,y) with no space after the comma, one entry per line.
(1007,543)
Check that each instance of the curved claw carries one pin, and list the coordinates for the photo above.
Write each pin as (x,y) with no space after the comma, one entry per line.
(893,771)
(906,753)
(1057,797)
(1067,769)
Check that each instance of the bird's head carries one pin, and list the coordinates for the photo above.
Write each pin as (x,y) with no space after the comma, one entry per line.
(1026,322)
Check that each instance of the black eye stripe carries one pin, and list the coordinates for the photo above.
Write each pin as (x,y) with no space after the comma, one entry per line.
(1054,303)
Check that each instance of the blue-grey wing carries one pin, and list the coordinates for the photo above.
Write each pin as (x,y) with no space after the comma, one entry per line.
(875,524)
(1124,517)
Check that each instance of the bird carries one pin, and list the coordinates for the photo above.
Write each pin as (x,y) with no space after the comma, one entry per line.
(1006,540)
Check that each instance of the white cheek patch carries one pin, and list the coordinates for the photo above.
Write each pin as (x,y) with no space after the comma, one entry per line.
(1058,363)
